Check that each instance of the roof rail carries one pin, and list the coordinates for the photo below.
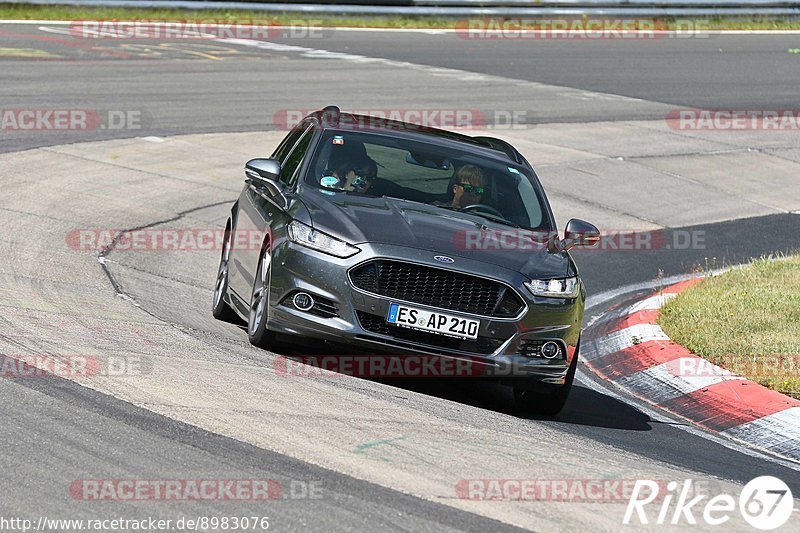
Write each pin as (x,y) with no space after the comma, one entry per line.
(503,146)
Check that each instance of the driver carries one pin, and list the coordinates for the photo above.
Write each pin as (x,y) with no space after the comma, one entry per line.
(469,187)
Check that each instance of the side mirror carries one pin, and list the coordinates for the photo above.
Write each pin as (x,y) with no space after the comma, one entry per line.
(264,173)
(579,233)
(261,168)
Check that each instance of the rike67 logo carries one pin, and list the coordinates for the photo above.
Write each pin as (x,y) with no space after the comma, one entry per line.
(765,503)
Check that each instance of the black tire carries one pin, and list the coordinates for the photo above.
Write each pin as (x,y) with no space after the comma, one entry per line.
(219,307)
(548,403)
(257,330)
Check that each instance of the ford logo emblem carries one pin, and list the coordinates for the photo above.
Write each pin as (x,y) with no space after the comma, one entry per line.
(444,259)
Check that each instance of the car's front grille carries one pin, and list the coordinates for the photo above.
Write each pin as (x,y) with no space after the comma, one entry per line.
(377,324)
(437,287)
(324,308)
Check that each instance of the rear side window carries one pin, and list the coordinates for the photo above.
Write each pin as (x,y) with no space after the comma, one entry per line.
(289,167)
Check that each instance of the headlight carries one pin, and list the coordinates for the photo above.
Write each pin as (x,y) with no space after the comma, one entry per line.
(316,240)
(554,288)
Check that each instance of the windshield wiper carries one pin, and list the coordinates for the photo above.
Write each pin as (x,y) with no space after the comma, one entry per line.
(404,200)
(493,218)
(482,214)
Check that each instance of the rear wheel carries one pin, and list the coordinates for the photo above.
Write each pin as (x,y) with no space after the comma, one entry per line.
(219,307)
(257,330)
(548,403)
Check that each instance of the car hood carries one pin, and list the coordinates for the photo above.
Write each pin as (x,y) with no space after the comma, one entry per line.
(361,219)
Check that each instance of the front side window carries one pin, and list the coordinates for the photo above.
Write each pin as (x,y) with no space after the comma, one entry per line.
(294,159)
(288,143)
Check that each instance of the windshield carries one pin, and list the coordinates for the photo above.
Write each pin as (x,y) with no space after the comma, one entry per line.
(378,165)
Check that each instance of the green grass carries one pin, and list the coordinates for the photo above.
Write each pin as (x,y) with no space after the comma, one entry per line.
(67,12)
(746,320)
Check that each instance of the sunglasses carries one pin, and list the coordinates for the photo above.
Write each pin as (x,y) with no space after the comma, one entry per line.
(472,189)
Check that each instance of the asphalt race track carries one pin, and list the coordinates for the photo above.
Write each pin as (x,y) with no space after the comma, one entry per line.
(386,454)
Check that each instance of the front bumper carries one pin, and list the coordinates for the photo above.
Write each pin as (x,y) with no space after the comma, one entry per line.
(360,321)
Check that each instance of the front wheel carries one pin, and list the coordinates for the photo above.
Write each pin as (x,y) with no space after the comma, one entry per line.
(548,403)
(257,330)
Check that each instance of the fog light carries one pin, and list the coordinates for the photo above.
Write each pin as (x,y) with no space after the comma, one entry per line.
(303,301)
(550,349)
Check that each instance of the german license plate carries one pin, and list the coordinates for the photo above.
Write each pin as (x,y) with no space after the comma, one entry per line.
(433,321)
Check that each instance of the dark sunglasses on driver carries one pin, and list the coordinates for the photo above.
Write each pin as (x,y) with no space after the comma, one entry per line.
(472,189)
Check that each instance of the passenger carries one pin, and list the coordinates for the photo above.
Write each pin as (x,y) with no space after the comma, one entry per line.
(361,177)
(353,177)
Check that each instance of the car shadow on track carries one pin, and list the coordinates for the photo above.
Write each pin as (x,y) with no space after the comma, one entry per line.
(584,407)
